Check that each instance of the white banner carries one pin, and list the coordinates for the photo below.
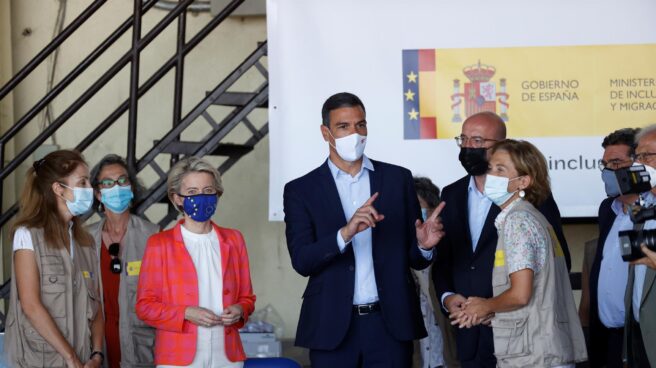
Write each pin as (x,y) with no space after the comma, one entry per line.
(318,48)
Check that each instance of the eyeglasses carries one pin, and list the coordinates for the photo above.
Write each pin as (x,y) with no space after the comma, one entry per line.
(108,183)
(206,191)
(115,265)
(476,142)
(644,156)
(614,164)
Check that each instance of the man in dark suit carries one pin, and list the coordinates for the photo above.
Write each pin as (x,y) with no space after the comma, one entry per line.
(609,273)
(353,227)
(465,257)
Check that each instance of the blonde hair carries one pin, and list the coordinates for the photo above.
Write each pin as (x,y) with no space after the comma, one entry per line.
(190,165)
(38,203)
(528,160)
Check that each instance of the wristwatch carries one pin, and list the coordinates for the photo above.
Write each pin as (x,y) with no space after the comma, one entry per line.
(102,356)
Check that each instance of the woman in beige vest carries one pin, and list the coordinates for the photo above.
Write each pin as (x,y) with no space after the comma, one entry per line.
(53,318)
(532,313)
(120,240)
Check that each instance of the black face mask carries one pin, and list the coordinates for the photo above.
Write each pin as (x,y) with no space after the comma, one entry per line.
(474,160)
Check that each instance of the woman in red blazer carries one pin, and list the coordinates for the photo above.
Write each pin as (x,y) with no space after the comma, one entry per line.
(196,312)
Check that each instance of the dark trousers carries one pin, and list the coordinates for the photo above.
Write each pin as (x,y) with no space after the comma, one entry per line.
(638,357)
(605,349)
(482,339)
(367,344)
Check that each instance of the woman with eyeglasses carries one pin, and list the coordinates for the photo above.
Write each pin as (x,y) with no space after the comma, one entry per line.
(120,239)
(195,285)
(54,318)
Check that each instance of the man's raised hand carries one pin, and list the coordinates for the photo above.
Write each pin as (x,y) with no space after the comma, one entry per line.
(430,232)
(365,217)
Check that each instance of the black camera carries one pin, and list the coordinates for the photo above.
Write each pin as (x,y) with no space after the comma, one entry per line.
(632,180)
(630,241)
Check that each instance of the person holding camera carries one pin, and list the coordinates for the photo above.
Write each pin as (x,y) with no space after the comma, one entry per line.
(640,299)
(609,273)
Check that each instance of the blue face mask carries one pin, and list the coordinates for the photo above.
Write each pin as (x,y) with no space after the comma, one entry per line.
(82,200)
(610,182)
(117,198)
(424,214)
(200,207)
(496,189)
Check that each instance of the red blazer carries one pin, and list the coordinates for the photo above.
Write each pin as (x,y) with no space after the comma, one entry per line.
(168,284)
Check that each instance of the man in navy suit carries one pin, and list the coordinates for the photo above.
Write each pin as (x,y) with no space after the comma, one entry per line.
(353,228)
(465,258)
(609,273)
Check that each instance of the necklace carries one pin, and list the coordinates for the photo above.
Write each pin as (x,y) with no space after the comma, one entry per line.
(110,232)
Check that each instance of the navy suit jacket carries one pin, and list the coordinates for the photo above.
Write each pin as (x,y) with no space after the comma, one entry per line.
(313,215)
(597,339)
(459,269)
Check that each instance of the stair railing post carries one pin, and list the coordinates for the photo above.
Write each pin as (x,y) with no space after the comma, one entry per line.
(134,88)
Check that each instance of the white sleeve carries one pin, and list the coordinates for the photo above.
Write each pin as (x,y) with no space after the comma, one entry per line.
(23,239)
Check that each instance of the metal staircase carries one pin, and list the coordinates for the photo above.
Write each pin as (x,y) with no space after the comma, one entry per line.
(170,145)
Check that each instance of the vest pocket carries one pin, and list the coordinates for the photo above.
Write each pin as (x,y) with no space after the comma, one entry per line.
(143,339)
(510,337)
(38,352)
(54,296)
(52,265)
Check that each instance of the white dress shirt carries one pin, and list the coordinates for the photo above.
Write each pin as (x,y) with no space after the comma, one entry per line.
(613,272)
(478,206)
(353,192)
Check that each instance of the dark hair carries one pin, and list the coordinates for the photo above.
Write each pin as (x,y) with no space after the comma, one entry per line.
(113,159)
(528,160)
(339,100)
(427,191)
(37,207)
(624,136)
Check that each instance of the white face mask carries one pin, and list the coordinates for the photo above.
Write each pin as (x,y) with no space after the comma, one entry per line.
(496,188)
(651,171)
(351,147)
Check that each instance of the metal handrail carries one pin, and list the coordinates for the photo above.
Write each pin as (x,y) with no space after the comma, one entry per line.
(68,79)
(158,190)
(89,93)
(221,88)
(160,73)
(52,46)
(131,56)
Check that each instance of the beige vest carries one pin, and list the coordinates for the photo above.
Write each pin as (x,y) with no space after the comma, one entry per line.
(69,291)
(137,338)
(546,332)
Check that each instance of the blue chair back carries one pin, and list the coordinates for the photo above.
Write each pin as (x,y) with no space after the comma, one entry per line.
(270,363)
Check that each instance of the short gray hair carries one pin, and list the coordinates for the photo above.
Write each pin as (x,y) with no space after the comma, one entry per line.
(648,130)
(190,165)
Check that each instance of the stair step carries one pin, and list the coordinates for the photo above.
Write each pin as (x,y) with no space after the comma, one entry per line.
(236,99)
(224,149)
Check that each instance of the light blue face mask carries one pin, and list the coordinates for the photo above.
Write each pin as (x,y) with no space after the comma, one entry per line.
(117,198)
(424,214)
(496,189)
(82,200)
